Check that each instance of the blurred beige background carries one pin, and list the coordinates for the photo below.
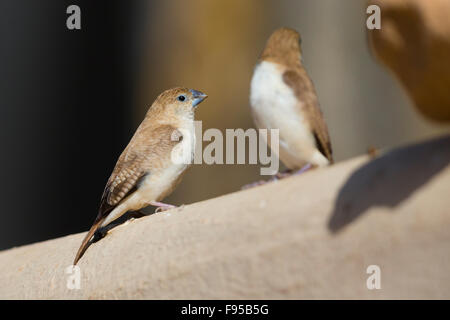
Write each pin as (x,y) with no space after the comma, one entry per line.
(213,46)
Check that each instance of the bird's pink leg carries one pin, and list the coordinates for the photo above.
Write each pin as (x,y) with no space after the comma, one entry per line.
(304,169)
(161,206)
(253,184)
(279,176)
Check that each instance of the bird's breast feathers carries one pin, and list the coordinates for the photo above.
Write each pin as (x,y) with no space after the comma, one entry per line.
(274,103)
(268,87)
(181,157)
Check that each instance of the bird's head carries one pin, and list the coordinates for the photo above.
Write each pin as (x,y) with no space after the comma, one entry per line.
(283,46)
(178,101)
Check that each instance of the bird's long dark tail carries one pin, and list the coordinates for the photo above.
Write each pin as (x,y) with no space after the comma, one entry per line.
(84,244)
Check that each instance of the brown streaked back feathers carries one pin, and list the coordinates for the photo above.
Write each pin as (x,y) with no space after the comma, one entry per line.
(137,161)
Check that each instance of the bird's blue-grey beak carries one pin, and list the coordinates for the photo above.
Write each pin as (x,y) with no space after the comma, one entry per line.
(198,97)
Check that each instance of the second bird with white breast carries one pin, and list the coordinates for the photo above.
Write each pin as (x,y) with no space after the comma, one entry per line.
(283,97)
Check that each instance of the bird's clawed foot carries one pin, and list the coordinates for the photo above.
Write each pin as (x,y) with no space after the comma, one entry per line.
(254,184)
(290,172)
(161,206)
(282,175)
(278,176)
(304,169)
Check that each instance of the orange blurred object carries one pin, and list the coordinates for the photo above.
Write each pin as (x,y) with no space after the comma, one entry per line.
(414,43)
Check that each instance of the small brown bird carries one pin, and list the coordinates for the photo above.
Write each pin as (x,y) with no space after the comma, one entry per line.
(283,97)
(151,165)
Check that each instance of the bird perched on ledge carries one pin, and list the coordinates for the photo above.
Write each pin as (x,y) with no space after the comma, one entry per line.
(151,165)
(283,97)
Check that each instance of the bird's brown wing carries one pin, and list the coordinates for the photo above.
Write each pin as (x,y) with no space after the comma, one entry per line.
(298,80)
(136,162)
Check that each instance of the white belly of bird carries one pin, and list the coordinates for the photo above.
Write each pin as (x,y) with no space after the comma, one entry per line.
(275,106)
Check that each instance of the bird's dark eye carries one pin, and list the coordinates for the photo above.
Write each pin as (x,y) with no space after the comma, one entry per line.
(181,98)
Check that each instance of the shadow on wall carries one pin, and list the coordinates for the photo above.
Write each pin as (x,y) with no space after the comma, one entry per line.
(388,180)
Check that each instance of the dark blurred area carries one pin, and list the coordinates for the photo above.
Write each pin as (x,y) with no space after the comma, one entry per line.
(70,100)
(65,112)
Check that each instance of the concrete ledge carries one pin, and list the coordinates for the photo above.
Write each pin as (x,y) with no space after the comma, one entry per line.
(308,236)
